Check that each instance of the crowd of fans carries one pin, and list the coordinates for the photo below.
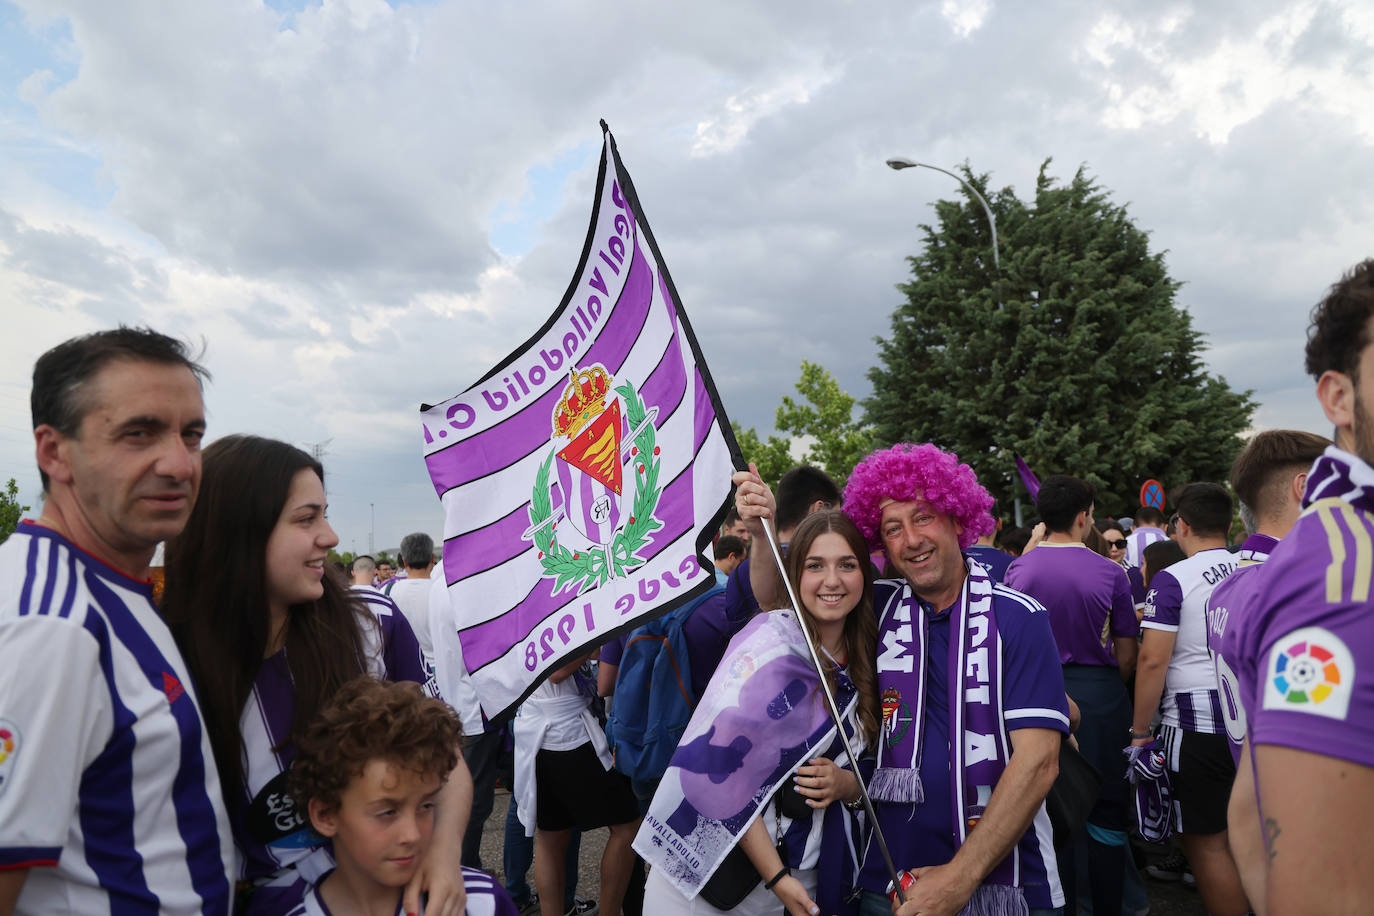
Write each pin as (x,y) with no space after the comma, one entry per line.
(275,736)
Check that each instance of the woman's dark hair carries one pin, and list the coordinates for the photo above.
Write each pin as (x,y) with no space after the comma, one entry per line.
(1014,540)
(1160,555)
(1094,541)
(861,626)
(216,604)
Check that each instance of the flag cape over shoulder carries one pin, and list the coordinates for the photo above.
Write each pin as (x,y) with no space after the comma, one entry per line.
(582,477)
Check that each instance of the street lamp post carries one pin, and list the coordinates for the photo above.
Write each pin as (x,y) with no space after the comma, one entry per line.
(372,531)
(901,162)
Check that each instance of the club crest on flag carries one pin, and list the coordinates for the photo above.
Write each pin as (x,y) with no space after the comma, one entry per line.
(583,476)
(595,449)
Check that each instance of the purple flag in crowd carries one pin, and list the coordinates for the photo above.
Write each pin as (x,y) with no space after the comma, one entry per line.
(583,476)
(1028,478)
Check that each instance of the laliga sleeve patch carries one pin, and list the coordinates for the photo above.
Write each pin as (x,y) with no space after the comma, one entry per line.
(9,750)
(1310,670)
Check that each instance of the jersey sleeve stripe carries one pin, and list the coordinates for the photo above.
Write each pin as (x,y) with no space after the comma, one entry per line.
(1036,713)
(1026,601)
(1150,625)
(16,857)
(69,598)
(30,566)
(1337,545)
(50,578)
(1364,553)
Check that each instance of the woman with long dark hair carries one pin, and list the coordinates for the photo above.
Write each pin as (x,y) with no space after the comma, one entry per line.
(269,633)
(761,733)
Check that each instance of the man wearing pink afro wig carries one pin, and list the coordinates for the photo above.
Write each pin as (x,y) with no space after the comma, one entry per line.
(957,652)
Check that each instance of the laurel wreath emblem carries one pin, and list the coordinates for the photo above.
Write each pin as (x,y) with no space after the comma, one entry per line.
(591,567)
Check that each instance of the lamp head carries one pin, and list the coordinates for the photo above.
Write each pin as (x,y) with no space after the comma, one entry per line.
(901,163)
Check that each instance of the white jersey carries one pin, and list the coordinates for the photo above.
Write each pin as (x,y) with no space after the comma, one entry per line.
(484,898)
(450,671)
(412,597)
(1177,603)
(109,794)
(1137,541)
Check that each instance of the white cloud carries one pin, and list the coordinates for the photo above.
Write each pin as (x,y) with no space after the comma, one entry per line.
(1234,81)
(722,133)
(314,194)
(965,16)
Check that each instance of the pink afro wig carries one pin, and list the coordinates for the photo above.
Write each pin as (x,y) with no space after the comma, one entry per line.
(906,472)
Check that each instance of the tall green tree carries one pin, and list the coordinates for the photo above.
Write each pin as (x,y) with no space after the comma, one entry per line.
(1076,355)
(10,509)
(771,455)
(823,418)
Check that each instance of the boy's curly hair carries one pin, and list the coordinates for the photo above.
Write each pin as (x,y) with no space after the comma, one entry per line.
(368,720)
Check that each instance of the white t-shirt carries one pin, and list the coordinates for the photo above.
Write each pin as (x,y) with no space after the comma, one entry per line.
(412,597)
(450,671)
(108,789)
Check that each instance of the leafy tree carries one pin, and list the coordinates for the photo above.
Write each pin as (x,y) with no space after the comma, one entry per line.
(345,558)
(824,419)
(10,510)
(771,456)
(1075,356)
(827,420)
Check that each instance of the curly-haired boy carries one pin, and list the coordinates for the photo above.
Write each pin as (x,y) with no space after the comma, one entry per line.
(369,771)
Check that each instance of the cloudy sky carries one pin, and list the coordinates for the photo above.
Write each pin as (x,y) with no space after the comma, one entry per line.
(360,206)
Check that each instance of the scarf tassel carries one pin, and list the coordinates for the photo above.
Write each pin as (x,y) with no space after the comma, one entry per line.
(897,784)
(996,900)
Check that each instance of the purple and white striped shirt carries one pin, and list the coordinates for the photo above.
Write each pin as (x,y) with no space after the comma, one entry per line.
(108,790)
(1177,603)
(484,898)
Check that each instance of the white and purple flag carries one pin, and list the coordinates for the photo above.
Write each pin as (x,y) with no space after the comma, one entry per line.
(582,477)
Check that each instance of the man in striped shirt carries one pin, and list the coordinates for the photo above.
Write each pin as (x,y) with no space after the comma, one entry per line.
(109,797)
(1174,662)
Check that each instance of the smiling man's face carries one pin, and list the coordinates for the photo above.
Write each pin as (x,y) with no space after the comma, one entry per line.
(923,545)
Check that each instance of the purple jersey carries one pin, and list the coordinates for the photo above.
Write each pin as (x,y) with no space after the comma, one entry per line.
(993,560)
(740,604)
(1177,603)
(1032,697)
(1225,610)
(1087,595)
(1310,636)
(1137,580)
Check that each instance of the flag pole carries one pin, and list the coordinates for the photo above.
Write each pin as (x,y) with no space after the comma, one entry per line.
(834,711)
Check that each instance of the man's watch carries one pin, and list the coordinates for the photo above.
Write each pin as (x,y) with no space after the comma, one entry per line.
(1136,736)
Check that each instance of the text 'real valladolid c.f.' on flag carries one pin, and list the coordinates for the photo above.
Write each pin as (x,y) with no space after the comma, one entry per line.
(583,476)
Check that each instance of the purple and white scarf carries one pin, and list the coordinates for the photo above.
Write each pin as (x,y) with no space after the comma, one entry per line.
(1337,474)
(978,746)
